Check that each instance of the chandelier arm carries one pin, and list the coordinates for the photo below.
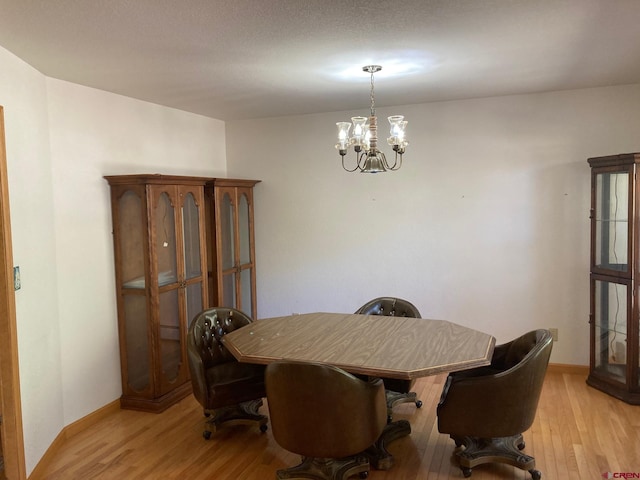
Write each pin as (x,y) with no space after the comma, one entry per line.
(397,163)
(354,168)
(385,164)
(362,160)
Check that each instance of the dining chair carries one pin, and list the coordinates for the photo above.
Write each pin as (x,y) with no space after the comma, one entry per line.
(229,391)
(486,410)
(326,415)
(398,391)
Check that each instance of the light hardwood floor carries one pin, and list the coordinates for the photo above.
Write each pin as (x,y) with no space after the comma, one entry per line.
(579,433)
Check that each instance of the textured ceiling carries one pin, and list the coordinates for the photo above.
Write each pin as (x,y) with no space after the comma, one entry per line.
(235,59)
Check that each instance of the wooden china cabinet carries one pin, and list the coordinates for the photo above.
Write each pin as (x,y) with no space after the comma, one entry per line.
(615,276)
(181,244)
(231,245)
(161,282)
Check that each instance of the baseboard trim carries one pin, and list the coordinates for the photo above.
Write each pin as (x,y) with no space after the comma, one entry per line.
(570,369)
(68,432)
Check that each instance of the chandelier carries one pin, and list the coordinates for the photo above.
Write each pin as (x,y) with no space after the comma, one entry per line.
(364,138)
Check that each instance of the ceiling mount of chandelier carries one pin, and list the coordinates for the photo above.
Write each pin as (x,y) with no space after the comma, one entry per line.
(364,138)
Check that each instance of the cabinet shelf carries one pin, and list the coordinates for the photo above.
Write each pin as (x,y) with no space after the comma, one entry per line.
(615,331)
(164,278)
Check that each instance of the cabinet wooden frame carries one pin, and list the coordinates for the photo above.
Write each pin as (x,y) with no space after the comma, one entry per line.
(614,352)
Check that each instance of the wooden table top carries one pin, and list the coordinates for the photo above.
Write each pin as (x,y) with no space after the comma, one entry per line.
(392,347)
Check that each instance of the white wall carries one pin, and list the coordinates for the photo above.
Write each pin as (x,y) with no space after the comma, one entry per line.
(486,224)
(95,133)
(61,139)
(23,95)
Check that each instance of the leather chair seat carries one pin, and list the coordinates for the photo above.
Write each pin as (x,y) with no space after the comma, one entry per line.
(234,382)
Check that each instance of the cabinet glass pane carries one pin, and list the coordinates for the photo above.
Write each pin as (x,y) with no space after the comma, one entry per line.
(612,219)
(611,329)
(137,342)
(131,239)
(191,235)
(245,286)
(165,241)
(194,301)
(227,232)
(243,227)
(170,334)
(229,290)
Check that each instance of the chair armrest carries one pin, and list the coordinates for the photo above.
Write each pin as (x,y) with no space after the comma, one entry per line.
(488,406)
(198,380)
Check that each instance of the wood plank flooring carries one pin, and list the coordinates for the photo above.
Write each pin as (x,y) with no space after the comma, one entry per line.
(579,433)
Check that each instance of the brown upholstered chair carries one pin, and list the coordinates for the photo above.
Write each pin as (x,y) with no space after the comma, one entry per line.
(326,415)
(229,391)
(397,390)
(486,410)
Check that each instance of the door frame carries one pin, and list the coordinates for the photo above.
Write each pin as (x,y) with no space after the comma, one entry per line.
(10,404)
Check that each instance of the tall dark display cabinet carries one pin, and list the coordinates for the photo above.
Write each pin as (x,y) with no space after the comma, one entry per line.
(161,282)
(615,276)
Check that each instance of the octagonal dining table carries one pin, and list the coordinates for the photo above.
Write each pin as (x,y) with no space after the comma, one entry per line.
(373,345)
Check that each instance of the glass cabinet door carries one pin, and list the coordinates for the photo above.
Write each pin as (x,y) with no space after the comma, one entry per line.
(235,248)
(246,254)
(166,267)
(610,222)
(192,254)
(227,216)
(131,248)
(611,307)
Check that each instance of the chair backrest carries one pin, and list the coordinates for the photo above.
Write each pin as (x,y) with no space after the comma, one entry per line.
(390,306)
(204,346)
(502,399)
(318,410)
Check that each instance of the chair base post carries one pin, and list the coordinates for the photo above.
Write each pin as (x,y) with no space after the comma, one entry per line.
(378,455)
(245,413)
(326,468)
(396,398)
(475,451)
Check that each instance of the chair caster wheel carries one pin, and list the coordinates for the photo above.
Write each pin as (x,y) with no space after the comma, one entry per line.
(535,474)
(466,472)
(206,434)
(521,446)
(363,474)
(263,428)
(418,403)
(389,419)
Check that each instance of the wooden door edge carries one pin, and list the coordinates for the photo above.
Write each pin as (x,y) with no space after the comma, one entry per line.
(12,434)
